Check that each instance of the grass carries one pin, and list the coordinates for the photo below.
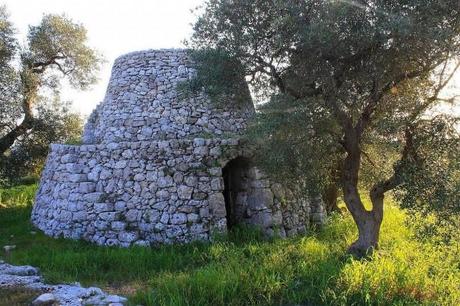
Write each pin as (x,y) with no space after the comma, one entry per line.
(245,269)
(12,297)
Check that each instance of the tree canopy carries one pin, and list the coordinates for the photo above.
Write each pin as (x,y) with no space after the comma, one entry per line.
(30,78)
(344,78)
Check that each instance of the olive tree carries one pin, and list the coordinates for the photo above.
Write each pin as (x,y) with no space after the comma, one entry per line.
(373,70)
(56,49)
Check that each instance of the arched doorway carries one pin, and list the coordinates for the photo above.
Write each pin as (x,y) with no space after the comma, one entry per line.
(235,174)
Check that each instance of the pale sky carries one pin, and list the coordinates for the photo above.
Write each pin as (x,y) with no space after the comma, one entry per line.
(115,27)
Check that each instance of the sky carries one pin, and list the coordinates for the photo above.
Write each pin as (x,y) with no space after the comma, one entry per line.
(115,27)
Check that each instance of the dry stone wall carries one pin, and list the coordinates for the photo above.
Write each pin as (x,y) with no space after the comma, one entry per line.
(157,169)
(141,103)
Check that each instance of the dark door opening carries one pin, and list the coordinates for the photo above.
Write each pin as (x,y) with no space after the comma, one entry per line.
(234,174)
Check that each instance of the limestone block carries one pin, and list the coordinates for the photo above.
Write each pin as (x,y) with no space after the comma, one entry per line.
(108,216)
(217,205)
(133,215)
(121,164)
(105,174)
(139,177)
(162,194)
(128,236)
(179,218)
(160,205)
(193,218)
(204,212)
(165,181)
(118,226)
(164,218)
(69,158)
(191,181)
(184,192)
(199,195)
(87,187)
(80,216)
(76,178)
(217,184)
(94,197)
(216,171)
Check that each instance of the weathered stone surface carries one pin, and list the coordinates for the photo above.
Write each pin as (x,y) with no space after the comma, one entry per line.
(217,205)
(184,192)
(128,236)
(64,295)
(146,174)
(118,226)
(46,299)
(179,218)
(18,270)
(261,199)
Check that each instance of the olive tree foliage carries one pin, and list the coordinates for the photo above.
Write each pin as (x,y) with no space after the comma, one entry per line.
(213,69)
(56,49)
(344,79)
(9,108)
(54,123)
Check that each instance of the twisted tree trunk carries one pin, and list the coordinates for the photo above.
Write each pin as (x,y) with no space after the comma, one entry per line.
(368,225)
(30,85)
(368,222)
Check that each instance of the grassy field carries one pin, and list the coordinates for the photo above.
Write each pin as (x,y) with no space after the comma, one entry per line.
(245,269)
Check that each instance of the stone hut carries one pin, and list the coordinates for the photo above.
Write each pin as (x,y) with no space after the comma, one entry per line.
(155,169)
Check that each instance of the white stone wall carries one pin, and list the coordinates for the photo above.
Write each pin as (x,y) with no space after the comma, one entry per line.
(146,175)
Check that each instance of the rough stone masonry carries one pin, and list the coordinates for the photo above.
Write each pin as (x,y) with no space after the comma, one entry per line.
(154,168)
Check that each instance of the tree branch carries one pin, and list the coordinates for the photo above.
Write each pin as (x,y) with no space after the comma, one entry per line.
(377,95)
(40,67)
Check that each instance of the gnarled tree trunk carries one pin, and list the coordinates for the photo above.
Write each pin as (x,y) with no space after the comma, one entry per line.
(368,234)
(30,85)
(368,222)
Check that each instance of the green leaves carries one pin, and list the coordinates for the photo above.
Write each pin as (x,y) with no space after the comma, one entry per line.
(298,143)
(31,113)
(432,178)
(59,43)
(55,122)
(8,43)
(219,75)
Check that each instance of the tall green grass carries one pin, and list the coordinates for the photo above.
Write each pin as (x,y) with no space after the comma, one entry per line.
(13,197)
(244,269)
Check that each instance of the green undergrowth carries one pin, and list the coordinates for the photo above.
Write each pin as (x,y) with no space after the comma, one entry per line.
(244,269)
(18,196)
(17,296)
